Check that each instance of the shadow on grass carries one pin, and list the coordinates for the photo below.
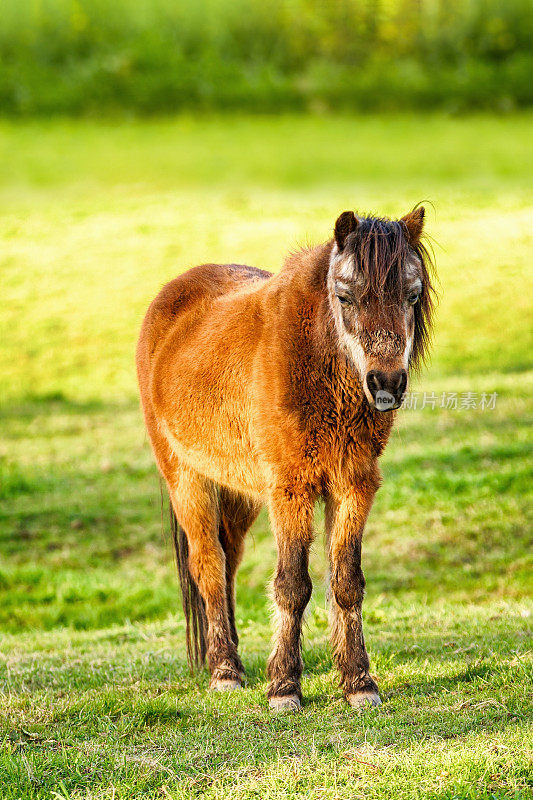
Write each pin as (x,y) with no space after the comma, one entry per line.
(30,406)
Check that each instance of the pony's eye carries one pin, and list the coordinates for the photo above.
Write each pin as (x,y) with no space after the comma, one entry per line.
(343,300)
(413,298)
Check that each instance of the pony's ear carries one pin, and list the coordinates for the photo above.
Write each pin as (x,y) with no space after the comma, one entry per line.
(346,223)
(414,224)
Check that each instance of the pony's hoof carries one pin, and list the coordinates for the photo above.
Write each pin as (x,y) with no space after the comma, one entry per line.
(290,703)
(364,700)
(225,685)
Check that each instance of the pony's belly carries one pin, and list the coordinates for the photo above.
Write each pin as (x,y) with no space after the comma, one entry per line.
(230,464)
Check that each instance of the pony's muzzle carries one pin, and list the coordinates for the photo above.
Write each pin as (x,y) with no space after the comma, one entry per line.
(386,388)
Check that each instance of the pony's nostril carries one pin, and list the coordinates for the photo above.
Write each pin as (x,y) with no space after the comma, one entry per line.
(373,382)
(402,383)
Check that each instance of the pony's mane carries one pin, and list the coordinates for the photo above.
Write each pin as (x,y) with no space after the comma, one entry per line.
(381,248)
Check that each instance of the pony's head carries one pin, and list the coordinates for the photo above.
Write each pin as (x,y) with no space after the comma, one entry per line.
(380,294)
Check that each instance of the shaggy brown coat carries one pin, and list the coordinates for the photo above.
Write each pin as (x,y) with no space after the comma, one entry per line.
(258,388)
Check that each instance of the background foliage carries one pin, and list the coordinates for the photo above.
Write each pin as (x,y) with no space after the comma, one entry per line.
(147,56)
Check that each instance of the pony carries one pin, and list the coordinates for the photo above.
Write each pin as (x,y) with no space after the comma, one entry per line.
(281,389)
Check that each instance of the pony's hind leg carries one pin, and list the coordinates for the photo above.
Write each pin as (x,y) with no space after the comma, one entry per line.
(237,514)
(195,501)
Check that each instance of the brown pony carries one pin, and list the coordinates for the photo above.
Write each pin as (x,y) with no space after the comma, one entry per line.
(261,388)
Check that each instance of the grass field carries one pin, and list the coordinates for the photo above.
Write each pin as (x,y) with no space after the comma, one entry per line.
(96,698)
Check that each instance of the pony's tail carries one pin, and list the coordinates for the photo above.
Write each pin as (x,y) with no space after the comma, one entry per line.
(193,603)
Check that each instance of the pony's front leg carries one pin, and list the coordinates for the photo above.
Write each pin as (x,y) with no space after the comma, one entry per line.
(345,519)
(291,512)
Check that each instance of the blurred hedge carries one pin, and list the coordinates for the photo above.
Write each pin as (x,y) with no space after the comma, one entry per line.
(147,56)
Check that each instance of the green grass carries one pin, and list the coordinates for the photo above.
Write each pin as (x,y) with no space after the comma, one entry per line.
(96,698)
